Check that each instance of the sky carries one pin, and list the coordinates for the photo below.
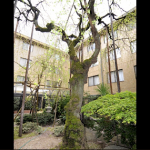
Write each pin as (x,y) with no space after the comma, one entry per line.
(56,11)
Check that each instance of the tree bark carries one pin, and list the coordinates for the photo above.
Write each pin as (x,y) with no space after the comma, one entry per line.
(74,132)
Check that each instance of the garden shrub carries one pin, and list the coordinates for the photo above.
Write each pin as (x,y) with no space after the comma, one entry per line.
(43,118)
(117,115)
(103,89)
(29,127)
(59,130)
(88,122)
(16,103)
(60,108)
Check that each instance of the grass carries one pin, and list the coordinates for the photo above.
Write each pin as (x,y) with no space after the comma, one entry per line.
(16,132)
(33,133)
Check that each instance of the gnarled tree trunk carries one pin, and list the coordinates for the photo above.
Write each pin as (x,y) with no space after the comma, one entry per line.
(74,132)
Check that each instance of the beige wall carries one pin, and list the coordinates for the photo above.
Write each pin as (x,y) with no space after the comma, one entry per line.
(37,51)
(127,61)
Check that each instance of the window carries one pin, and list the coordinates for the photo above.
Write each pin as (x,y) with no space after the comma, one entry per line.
(135,71)
(133,46)
(23,62)
(26,46)
(20,78)
(114,76)
(94,64)
(131,26)
(111,54)
(93,80)
(91,47)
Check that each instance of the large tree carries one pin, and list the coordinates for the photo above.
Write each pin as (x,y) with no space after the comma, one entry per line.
(74,136)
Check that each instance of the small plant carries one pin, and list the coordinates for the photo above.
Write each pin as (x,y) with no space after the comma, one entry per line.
(43,118)
(29,127)
(58,130)
(103,89)
(38,129)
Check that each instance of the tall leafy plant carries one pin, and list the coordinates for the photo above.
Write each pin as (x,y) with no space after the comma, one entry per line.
(103,89)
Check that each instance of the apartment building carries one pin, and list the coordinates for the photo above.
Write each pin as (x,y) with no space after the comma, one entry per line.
(125,48)
(58,68)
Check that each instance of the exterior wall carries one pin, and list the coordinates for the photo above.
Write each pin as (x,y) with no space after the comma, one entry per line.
(39,49)
(127,61)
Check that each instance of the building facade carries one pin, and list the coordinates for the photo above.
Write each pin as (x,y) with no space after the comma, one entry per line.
(125,47)
(57,69)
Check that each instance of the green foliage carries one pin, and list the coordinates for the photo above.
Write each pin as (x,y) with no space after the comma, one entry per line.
(59,130)
(120,106)
(112,128)
(117,115)
(88,122)
(107,126)
(29,127)
(16,103)
(103,89)
(43,118)
(87,96)
(60,108)
(38,129)
(28,104)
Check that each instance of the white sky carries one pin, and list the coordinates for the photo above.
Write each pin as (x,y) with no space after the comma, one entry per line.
(59,13)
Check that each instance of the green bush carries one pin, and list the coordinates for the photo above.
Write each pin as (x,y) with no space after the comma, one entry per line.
(103,89)
(60,108)
(28,104)
(29,127)
(88,122)
(43,118)
(59,130)
(16,103)
(120,106)
(117,115)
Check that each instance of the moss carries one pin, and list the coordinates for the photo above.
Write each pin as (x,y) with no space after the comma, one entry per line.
(74,129)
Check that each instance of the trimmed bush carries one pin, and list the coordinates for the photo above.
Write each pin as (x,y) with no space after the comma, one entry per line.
(117,115)
(59,130)
(29,127)
(43,118)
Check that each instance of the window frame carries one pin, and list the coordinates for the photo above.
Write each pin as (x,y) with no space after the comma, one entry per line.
(28,46)
(115,76)
(111,54)
(93,81)
(26,62)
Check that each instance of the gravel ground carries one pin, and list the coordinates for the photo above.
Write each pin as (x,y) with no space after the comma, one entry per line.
(44,141)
